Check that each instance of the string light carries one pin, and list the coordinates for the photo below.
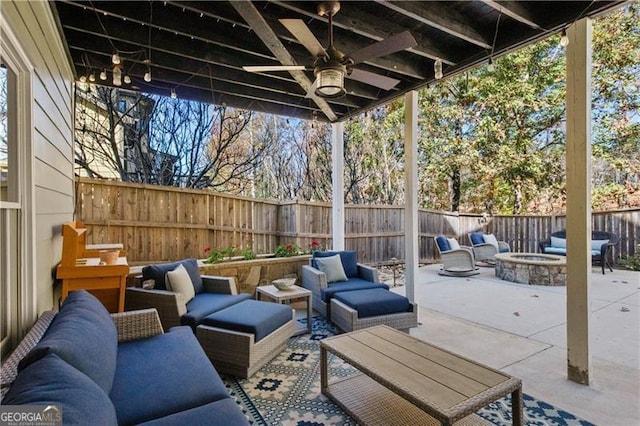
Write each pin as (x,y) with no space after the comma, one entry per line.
(117,76)
(564,39)
(115,59)
(127,79)
(92,77)
(83,79)
(173,94)
(147,76)
(437,69)
(103,75)
(490,66)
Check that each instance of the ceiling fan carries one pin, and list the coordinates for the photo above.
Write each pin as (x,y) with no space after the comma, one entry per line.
(331,66)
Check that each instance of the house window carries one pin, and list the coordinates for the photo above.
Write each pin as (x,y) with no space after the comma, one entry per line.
(9,209)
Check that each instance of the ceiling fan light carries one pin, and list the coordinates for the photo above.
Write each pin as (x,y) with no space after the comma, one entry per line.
(330,83)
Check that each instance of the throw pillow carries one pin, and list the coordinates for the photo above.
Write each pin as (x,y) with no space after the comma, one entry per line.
(491,239)
(453,243)
(179,281)
(597,244)
(332,267)
(476,238)
(443,243)
(559,242)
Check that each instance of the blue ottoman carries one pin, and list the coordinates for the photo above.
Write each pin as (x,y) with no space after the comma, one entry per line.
(240,339)
(354,310)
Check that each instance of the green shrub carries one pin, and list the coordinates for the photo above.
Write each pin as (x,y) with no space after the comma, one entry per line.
(287,251)
(248,254)
(632,262)
(217,255)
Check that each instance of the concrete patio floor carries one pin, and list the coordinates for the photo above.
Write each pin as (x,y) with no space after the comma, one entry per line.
(521,330)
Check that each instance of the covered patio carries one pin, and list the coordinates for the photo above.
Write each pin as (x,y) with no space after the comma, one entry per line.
(521,330)
(272,57)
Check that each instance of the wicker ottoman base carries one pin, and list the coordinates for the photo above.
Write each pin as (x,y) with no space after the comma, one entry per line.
(237,353)
(346,318)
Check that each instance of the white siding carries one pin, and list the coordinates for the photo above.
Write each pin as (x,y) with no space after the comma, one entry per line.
(52,160)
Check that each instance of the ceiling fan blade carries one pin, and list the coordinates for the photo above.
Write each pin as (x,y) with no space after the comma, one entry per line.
(386,83)
(266,68)
(299,29)
(393,44)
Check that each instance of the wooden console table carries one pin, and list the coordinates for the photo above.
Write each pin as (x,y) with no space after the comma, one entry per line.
(408,381)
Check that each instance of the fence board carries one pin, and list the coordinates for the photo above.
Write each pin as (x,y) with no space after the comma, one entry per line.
(161,223)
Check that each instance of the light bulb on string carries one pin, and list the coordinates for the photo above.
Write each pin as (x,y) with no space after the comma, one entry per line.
(147,76)
(83,79)
(173,94)
(564,39)
(115,59)
(117,76)
(490,66)
(92,77)
(437,69)
(127,79)
(103,75)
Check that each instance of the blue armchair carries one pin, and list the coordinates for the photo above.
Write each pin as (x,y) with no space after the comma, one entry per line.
(358,277)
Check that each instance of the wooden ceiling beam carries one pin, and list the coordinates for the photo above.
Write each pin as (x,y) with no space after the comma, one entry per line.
(514,10)
(440,16)
(376,28)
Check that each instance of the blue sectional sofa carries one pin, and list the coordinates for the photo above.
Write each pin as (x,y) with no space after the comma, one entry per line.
(118,369)
(357,276)
(602,244)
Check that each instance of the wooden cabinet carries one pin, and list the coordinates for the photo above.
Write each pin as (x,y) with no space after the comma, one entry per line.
(81,269)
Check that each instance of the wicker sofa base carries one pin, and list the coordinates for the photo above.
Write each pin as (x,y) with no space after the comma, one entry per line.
(346,318)
(237,353)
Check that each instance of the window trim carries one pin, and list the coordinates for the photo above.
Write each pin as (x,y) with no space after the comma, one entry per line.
(18,60)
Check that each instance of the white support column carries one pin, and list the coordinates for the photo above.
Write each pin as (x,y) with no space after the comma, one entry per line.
(411,228)
(337,182)
(578,200)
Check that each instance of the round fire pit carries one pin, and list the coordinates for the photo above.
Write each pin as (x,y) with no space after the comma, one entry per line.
(532,268)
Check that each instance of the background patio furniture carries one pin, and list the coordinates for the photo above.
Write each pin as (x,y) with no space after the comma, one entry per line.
(457,261)
(359,276)
(602,244)
(484,249)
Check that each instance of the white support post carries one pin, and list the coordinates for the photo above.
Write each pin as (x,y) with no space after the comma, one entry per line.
(578,159)
(411,227)
(337,182)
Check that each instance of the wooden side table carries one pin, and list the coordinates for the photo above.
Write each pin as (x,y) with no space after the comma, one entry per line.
(106,282)
(280,296)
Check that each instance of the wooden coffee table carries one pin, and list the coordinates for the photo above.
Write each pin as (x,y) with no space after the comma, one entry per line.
(280,296)
(408,381)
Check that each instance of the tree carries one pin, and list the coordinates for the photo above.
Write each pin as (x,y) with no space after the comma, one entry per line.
(153,139)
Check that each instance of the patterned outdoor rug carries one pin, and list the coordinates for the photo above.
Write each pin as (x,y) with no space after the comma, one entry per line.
(287,391)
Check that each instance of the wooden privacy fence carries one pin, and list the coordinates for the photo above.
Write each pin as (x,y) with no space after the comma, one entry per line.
(158,223)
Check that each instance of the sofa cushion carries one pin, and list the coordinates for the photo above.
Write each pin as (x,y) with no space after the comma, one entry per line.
(158,272)
(225,412)
(443,243)
(476,238)
(251,316)
(353,284)
(349,260)
(51,381)
(207,303)
(83,335)
(556,250)
(179,281)
(596,245)
(558,242)
(332,268)
(162,375)
(374,302)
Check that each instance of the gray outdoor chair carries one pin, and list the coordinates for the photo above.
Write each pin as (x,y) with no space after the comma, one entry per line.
(486,246)
(457,260)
